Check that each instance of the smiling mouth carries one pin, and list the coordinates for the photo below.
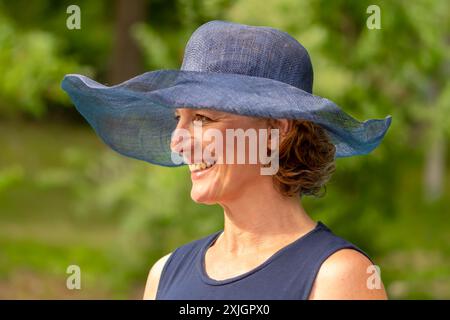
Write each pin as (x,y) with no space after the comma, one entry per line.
(197,167)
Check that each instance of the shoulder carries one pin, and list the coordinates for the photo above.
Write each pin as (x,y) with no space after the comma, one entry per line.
(182,255)
(348,274)
(153,278)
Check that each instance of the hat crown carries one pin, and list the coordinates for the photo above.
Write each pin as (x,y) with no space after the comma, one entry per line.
(227,47)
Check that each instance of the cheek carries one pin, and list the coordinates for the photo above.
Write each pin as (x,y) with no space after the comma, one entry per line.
(240,177)
(229,183)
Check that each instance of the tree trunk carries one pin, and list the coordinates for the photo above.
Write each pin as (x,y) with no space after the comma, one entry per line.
(435,169)
(126,57)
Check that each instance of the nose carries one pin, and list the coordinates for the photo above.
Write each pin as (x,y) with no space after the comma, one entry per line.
(180,141)
(175,142)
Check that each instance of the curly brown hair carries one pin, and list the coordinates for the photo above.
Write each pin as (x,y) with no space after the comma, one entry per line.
(306,160)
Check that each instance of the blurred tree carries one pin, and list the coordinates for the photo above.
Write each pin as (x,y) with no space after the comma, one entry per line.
(126,57)
(376,201)
(37,49)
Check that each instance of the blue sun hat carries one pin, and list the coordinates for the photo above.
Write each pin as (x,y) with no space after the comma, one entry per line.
(254,71)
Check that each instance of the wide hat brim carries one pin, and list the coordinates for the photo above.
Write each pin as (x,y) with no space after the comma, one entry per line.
(136,117)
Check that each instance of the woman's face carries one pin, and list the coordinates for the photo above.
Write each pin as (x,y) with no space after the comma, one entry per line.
(225,179)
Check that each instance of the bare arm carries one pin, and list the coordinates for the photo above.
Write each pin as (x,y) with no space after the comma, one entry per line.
(153,278)
(344,276)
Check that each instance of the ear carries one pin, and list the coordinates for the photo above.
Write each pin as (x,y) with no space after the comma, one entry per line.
(284,125)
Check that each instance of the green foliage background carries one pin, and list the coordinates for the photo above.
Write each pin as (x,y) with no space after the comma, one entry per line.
(65,198)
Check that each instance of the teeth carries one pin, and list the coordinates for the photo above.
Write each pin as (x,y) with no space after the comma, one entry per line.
(200,166)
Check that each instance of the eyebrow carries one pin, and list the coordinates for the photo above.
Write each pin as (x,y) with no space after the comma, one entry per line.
(203,110)
(212,112)
(193,110)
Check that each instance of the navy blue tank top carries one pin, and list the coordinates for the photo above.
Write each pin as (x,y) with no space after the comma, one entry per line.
(288,274)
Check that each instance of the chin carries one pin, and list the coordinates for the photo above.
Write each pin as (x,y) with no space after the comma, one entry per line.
(214,194)
(209,192)
(202,197)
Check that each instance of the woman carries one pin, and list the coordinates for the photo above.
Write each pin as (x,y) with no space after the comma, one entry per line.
(242,78)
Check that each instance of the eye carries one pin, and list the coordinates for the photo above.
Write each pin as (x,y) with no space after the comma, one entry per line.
(202,118)
(176,117)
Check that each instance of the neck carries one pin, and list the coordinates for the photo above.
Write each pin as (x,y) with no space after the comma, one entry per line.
(262,219)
